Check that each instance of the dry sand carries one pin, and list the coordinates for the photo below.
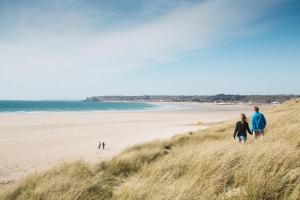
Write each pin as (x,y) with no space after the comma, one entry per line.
(31,141)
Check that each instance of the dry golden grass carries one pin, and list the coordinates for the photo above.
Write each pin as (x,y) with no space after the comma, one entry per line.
(203,165)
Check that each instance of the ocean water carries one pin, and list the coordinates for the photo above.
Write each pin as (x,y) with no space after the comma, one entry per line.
(71,106)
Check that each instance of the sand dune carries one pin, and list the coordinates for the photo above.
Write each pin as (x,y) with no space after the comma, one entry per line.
(31,141)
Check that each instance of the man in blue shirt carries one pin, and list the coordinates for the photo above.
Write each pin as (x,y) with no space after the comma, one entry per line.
(258,123)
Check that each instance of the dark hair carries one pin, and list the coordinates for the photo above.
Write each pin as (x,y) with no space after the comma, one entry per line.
(256,108)
(244,118)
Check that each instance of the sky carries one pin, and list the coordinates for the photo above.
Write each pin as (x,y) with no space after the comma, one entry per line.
(73,49)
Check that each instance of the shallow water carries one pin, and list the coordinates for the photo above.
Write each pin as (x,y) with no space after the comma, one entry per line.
(70,106)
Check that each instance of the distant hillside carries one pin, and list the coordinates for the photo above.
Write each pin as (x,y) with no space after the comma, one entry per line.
(213,98)
(206,164)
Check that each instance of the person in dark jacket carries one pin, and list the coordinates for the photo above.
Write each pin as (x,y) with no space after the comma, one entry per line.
(241,129)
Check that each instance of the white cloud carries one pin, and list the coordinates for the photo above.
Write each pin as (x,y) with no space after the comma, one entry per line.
(44,51)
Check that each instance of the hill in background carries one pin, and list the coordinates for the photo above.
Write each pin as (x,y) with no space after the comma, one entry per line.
(204,98)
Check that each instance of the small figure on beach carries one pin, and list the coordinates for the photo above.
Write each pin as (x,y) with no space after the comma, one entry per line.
(241,129)
(258,124)
(103,145)
(99,146)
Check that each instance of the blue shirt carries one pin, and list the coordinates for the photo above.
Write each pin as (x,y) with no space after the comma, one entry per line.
(258,121)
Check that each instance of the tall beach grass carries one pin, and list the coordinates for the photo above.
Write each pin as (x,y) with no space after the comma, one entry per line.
(207,164)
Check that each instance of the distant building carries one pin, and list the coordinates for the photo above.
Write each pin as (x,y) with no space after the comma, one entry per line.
(275,102)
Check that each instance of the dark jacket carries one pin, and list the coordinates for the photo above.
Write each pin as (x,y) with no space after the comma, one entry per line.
(241,129)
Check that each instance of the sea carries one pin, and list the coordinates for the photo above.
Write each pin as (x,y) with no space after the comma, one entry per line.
(12,106)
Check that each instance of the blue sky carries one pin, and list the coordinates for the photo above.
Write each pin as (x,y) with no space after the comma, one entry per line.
(72,49)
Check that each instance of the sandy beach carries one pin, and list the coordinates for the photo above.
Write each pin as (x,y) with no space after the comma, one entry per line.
(35,141)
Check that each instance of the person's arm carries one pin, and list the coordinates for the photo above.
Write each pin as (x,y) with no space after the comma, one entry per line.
(252,126)
(248,129)
(235,130)
(264,120)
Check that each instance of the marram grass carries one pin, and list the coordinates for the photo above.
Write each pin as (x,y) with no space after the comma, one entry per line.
(204,165)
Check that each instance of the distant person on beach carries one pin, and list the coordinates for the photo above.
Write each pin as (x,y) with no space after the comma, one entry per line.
(258,124)
(99,146)
(241,129)
(103,145)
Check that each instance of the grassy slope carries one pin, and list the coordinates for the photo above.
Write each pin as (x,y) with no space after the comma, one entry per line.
(203,165)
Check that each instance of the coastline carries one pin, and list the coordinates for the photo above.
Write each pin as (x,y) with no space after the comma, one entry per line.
(158,107)
(35,141)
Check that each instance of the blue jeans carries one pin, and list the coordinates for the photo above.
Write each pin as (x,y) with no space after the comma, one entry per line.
(258,134)
(241,139)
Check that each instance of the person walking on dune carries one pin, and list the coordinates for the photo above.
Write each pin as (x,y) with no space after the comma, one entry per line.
(241,129)
(258,124)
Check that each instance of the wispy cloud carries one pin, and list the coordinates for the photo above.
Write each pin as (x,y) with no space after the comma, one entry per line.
(85,43)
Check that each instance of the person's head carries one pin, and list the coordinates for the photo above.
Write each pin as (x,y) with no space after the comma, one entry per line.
(256,109)
(243,118)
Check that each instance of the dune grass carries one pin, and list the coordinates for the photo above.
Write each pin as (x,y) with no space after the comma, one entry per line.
(204,165)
